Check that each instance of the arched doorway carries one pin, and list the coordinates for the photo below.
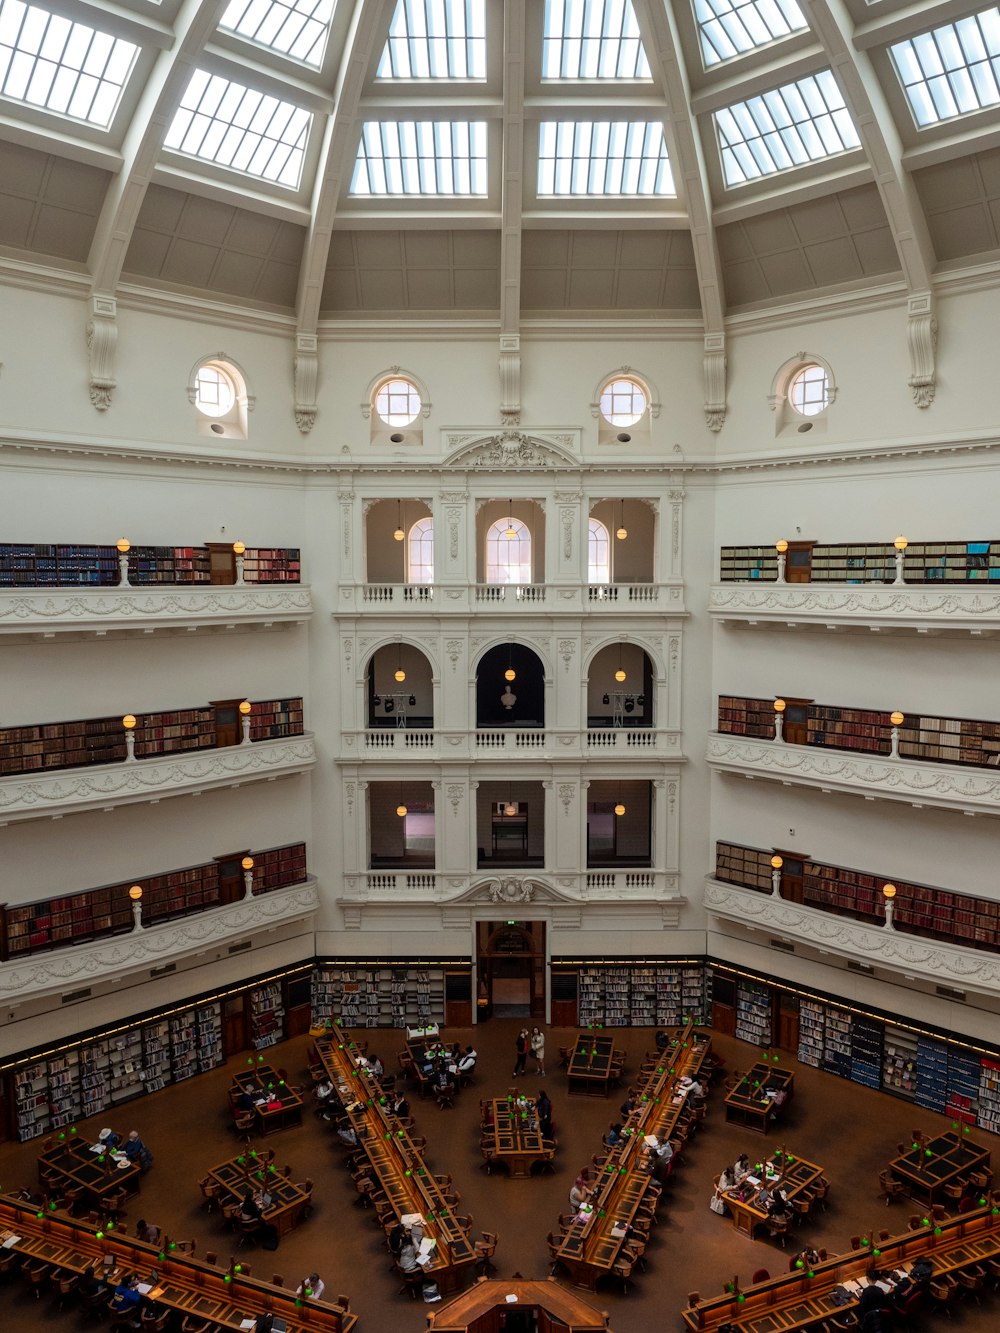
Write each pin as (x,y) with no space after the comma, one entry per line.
(510,965)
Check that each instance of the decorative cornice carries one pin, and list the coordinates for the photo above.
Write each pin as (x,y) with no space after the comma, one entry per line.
(511,449)
(828,606)
(970,969)
(123,955)
(68,791)
(917,784)
(98,610)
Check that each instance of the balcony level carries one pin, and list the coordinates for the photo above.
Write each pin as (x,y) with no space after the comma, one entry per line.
(884,948)
(430,745)
(965,610)
(521,598)
(187,773)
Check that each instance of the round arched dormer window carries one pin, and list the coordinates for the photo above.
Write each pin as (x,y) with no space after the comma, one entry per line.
(809,391)
(217,389)
(397,402)
(623,402)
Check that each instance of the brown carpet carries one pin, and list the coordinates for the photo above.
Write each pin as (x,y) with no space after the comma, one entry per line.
(850,1130)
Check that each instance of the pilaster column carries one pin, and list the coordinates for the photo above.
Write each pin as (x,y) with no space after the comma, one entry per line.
(570,562)
(455,823)
(351,548)
(570,826)
(452,544)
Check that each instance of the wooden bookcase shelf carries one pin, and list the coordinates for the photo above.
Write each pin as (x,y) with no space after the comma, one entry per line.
(101,740)
(744,564)
(871,562)
(379,995)
(972,742)
(918,909)
(61,566)
(74,918)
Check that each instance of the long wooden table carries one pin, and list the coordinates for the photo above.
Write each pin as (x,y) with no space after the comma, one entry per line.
(948,1159)
(408,1184)
(589,1069)
(748,1105)
(792,1175)
(590,1248)
(803,1299)
(75,1165)
(247,1171)
(514,1139)
(266,1084)
(561,1310)
(183,1283)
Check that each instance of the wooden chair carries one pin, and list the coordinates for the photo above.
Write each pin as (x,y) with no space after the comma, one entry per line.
(760,1275)
(128,1318)
(155,1322)
(778,1228)
(970,1282)
(182,1246)
(445,1097)
(941,1291)
(37,1274)
(243,1122)
(820,1190)
(891,1189)
(412,1279)
(249,1229)
(277,1280)
(65,1283)
(464,1222)
(96,1302)
(485,1250)
(307,1188)
(622,1269)
(194,1323)
(553,1246)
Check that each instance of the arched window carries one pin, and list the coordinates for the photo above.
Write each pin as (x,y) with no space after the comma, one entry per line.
(420,552)
(508,552)
(217,389)
(598,552)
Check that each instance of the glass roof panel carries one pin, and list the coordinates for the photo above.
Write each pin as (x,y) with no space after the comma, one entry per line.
(953,70)
(592,39)
(785,128)
(223,122)
(603,158)
(436,39)
(50,61)
(296,28)
(421,158)
(729,28)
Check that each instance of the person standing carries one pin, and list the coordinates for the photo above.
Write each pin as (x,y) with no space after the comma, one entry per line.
(543,1109)
(311,1287)
(521,1052)
(538,1050)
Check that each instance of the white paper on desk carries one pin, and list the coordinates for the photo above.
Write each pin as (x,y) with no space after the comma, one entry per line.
(10,1242)
(260,1101)
(752,1180)
(408,1219)
(852,1286)
(97,1147)
(248,1323)
(511,1300)
(884,1286)
(144,1288)
(651,1141)
(619,1230)
(427,1245)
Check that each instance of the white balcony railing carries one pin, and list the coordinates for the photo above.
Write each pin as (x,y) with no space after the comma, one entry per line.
(431,744)
(433,886)
(968,609)
(102,786)
(468,598)
(947,786)
(35,611)
(885,948)
(120,956)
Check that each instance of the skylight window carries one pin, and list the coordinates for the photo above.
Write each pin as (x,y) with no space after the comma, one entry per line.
(952,70)
(592,39)
(583,157)
(222,122)
(788,127)
(50,61)
(728,28)
(421,157)
(435,39)
(296,28)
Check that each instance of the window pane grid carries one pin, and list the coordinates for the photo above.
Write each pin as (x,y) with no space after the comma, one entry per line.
(592,39)
(296,28)
(220,121)
(397,402)
(420,552)
(603,158)
(730,28)
(809,391)
(436,39)
(785,128)
(408,157)
(508,559)
(51,62)
(951,71)
(623,402)
(598,553)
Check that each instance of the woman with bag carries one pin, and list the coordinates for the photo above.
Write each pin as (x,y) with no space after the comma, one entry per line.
(538,1050)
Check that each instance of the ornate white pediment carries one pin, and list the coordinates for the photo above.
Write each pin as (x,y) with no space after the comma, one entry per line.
(510,450)
(510,889)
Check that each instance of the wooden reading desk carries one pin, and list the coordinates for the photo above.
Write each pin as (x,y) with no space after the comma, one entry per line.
(182,1283)
(931,1164)
(792,1176)
(515,1139)
(592,1246)
(247,1171)
(408,1184)
(75,1165)
(748,1104)
(589,1069)
(552,1308)
(801,1300)
(284,1110)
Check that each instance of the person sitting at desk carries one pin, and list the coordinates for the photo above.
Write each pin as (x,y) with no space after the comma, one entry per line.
(400,1105)
(872,1297)
(579,1193)
(375,1066)
(659,1157)
(807,1258)
(245,1101)
(137,1152)
(777,1096)
(249,1208)
(109,1139)
(662,1040)
(741,1168)
(763,1199)
(325,1097)
(312,1287)
(778,1207)
(146,1231)
(395,1239)
(127,1296)
(614,1136)
(728,1181)
(466,1062)
(442,1076)
(408,1256)
(628,1106)
(347,1136)
(90,1284)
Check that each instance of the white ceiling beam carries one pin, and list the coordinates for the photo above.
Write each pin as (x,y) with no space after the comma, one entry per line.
(662,44)
(196,19)
(368,34)
(511,203)
(866,100)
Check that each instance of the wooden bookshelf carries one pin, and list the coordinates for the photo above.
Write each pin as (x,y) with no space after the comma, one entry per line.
(272,564)
(743,865)
(273,718)
(74,918)
(872,562)
(746,717)
(24,565)
(746,564)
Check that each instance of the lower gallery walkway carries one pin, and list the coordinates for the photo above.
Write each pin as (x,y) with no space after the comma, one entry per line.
(851,1131)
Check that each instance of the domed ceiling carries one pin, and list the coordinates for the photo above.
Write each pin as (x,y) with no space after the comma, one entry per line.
(503,161)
